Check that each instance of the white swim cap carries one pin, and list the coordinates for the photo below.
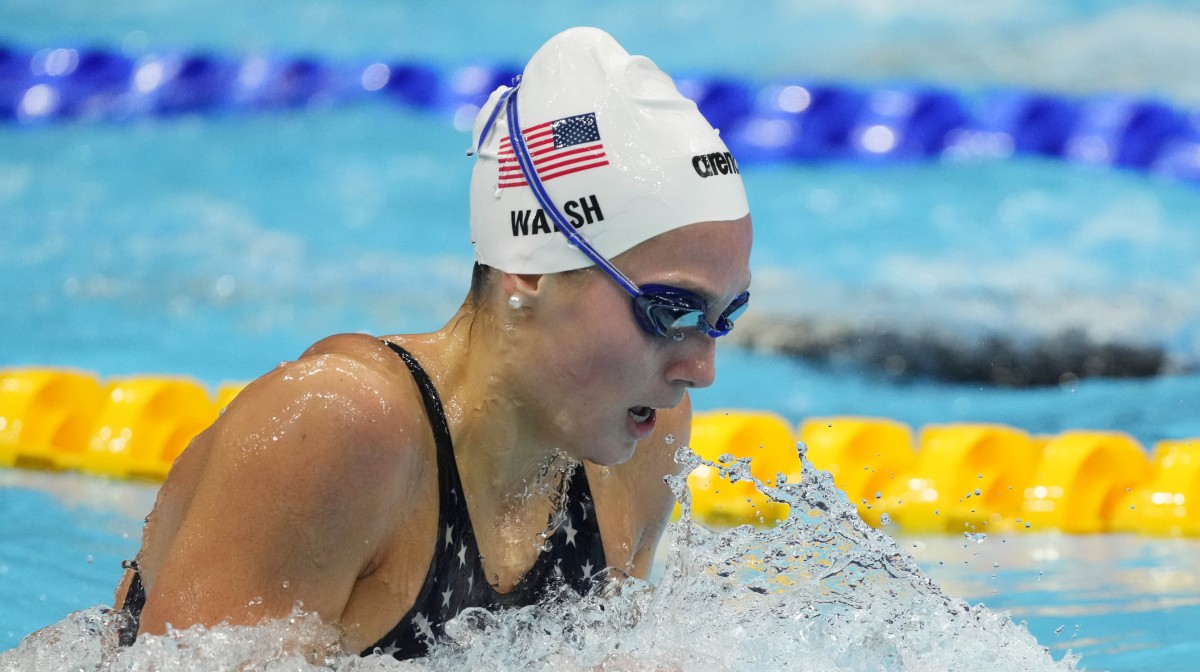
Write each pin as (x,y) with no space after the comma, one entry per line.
(620,151)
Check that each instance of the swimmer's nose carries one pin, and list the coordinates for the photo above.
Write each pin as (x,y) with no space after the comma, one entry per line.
(694,364)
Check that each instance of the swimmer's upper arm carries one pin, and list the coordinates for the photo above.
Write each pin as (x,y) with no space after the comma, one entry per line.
(287,504)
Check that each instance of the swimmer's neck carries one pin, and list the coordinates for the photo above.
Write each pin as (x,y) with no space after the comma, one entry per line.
(501,452)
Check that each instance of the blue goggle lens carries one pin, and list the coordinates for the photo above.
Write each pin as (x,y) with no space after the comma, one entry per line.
(666,311)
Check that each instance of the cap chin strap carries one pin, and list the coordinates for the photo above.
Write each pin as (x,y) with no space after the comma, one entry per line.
(508,100)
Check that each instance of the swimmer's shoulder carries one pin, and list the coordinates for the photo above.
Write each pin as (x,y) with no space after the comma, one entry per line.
(306,480)
(356,346)
(347,406)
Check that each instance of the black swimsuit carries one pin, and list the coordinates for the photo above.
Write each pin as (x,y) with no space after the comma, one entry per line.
(573,556)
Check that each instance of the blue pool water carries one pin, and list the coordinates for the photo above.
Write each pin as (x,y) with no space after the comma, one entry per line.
(218,246)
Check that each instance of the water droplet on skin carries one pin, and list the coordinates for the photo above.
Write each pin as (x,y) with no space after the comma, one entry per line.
(669,439)
(286,584)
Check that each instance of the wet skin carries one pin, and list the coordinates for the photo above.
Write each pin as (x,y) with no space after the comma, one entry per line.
(318,483)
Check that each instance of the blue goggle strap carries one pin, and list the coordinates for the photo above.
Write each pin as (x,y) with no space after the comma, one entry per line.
(543,198)
(487,127)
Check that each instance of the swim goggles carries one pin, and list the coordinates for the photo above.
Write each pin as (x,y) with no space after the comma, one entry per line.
(661,310)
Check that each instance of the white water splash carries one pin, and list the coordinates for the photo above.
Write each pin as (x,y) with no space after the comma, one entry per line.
(821,591)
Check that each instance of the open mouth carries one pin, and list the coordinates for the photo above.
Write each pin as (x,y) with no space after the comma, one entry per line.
(641,414)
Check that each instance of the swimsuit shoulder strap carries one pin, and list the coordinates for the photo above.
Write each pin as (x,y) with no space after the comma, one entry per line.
(448,471)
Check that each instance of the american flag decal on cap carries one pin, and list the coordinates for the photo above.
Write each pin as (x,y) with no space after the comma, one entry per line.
(560,147)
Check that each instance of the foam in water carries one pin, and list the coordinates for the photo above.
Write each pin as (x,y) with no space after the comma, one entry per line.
(820,591)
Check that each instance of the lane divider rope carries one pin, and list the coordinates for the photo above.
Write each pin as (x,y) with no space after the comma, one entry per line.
(795,119)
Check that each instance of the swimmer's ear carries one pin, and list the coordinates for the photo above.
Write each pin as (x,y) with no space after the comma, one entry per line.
(521,284)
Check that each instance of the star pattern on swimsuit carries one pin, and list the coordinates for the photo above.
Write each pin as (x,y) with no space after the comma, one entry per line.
(421,623)
(569,528)
(446,597)
(587,568)
(449,536)
(462,555)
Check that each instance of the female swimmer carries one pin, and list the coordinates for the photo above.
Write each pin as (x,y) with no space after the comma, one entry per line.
(388,483)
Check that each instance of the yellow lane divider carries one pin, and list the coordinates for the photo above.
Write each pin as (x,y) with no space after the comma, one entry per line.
(865,456)
(1169,501)
(964,477)
(767,440)
(953,478)
(45,415)
(131,427)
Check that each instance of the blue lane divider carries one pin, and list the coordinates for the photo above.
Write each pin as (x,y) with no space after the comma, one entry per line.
(796,120)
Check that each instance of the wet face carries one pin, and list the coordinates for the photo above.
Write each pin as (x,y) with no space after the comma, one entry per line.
(600,376)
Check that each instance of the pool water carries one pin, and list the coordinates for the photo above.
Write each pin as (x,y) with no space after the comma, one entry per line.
(218,246)
(1118,602)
